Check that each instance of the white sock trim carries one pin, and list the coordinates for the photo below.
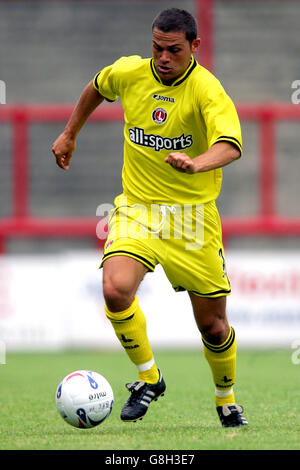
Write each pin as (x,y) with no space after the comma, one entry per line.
(223,393)
(146,366)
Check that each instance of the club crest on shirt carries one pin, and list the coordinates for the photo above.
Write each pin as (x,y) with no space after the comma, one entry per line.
(159,115)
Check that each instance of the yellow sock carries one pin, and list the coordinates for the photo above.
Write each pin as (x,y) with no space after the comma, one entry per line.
(150,376)
(222,361)
(130,328)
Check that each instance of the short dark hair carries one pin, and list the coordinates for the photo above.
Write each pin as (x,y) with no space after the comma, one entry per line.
(175,19)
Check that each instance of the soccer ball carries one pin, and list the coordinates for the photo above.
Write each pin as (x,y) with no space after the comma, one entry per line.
(84,399)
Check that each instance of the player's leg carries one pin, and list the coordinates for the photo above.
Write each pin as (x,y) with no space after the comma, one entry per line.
(218,342)
(219,345)
(122,276)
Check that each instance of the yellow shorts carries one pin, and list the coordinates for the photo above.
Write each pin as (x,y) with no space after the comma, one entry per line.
(185,240)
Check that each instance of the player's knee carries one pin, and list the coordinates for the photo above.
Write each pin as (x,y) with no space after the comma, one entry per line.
(215,331)
(118,294)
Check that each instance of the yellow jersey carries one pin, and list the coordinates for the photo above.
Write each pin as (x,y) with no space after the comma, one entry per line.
(189,116)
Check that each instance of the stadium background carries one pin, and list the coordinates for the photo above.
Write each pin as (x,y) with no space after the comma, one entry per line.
(49,282)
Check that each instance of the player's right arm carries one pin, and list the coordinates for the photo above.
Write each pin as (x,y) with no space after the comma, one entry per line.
(64,146)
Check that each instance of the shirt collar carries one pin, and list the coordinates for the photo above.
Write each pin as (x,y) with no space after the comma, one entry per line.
(180,79)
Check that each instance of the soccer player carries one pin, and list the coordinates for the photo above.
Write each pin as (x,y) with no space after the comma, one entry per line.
(180,129)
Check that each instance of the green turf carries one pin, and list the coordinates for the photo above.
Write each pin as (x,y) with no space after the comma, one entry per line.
(268,385)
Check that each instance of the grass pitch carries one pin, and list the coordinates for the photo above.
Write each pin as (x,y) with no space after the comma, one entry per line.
(268,385)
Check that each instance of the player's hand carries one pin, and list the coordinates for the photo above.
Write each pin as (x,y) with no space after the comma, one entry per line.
(181,162)
(63,149)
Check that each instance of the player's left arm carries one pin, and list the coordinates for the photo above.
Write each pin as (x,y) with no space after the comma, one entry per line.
(218,155)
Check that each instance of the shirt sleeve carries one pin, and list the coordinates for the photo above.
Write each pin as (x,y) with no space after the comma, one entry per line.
(220,116)
(104,82)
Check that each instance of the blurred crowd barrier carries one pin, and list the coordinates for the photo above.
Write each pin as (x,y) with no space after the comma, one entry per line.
(50,303)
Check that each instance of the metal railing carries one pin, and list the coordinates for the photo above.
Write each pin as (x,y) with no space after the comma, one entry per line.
(21,223)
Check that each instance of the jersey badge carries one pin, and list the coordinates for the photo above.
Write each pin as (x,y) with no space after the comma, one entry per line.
(159,115)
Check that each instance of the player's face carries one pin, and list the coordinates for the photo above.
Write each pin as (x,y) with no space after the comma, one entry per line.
(172,54)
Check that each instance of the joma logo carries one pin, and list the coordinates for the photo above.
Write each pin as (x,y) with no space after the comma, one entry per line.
(163,98)
(2,92)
